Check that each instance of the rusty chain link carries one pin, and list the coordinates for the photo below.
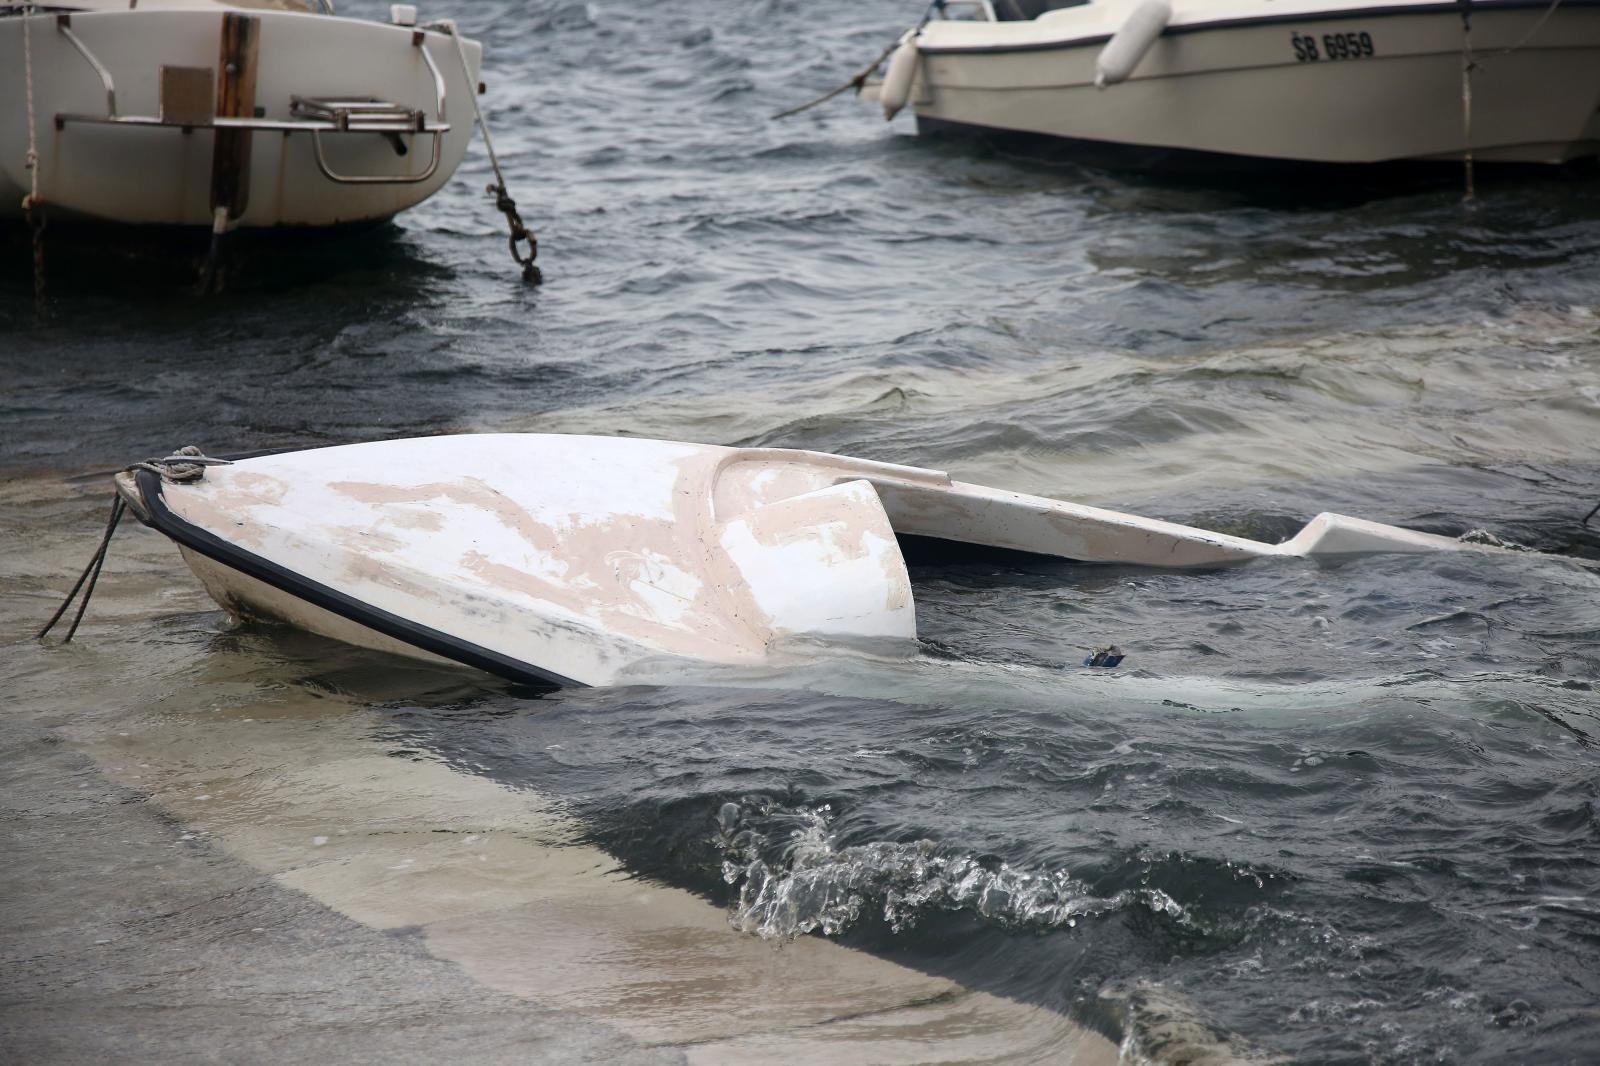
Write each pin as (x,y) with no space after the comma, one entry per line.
(519,234)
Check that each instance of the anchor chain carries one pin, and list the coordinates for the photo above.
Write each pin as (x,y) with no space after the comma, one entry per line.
(36,223)
(503,202)
(519,233)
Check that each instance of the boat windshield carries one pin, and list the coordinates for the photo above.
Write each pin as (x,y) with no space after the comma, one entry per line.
(1024,10)
(1000,10)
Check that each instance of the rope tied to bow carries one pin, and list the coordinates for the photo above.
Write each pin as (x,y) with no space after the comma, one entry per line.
(91,574)
(184,466)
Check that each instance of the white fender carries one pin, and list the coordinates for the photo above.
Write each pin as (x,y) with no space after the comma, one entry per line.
(1131,41)
(902,71)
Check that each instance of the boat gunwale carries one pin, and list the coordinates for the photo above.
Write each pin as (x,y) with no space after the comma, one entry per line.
(1444,7)
(157,515)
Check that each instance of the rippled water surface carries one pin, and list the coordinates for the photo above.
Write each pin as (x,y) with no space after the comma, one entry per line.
(1346,812)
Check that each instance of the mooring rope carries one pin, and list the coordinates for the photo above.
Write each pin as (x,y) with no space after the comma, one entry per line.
(187,464)
(861,77)
(91,573)
(1467,66)
(1537,26)
(855,83)
(520,234)
(1470,63)
(32,204)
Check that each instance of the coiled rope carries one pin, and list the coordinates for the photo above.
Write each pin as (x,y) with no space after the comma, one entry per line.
(186,465)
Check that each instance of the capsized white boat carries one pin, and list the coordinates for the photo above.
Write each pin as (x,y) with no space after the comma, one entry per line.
(1317,81)
(577,559)
(274,112)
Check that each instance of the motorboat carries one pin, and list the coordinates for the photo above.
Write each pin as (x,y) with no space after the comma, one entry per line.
(227,113)
(1171,82)
(568,559)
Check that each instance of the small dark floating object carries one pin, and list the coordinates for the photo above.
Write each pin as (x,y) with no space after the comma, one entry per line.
(1109,656)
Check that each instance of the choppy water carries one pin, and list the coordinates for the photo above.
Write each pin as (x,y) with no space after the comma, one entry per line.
(1348,812)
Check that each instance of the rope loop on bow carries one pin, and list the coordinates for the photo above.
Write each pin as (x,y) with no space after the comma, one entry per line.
(184,466)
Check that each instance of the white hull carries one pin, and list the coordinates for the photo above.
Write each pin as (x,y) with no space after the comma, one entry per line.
(1238,78)
(163,175)
(588,559)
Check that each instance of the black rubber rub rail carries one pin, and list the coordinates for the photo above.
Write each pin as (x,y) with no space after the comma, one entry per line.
(191,536)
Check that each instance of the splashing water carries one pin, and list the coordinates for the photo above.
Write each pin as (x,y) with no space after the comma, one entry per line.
(793,878)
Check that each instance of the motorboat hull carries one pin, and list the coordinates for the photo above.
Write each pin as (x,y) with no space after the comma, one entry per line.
(583,560)
(112,147)
(1255,79)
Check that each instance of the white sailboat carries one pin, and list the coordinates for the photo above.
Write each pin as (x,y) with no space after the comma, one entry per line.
(257,114)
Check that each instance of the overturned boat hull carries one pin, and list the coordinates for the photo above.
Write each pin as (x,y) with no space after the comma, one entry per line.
(579,560)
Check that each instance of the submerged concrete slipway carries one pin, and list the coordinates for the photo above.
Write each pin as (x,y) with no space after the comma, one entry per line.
(1339,813)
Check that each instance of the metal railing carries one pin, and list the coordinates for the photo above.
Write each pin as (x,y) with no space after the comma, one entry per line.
(64,27)
(312,115)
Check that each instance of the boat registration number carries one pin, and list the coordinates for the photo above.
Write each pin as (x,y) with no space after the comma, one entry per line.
(1307,49)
